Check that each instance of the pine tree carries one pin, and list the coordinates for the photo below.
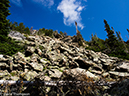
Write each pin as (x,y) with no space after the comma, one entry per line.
(112,39)
(21,27)
(122,44)
(4,23)
(116,45)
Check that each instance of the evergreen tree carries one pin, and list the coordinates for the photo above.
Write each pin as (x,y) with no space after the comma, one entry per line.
(122,44)
(4,24)
(96,43)
(21,27)
(116,46)
(112,39)
(27,30)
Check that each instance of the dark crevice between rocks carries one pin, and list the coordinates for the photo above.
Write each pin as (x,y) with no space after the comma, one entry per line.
(121,70)
(82,64)
(105,67)
(16,68)
(97,69)
(5,68)
(62,50)
(28,54)
(36,51)
(61,62)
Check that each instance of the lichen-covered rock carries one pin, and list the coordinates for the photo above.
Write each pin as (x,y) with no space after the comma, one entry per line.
(84,63)
(31,38)
(1,56)
(19,57)
(39,52)
(3,59)
(15,78)
(55,73)
(118,74)
(16,35)
(4,74)
(123,67)
(55,56)
(78,72)
(3,66)
(45,78)
(36,66)
(106,74)
(93,55)
(96,70)
(29,51)
(34,58)
(29,43)
(30,75)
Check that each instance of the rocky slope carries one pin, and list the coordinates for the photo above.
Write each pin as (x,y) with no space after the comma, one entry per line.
(54,58)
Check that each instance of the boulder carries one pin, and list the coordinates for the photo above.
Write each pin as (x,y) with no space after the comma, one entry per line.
(1,56)
(3,66)
(106,74)
(17,67)
(96,69)
(78,72)
(16,35)
(3,59)
(29,51)
(118,74)
(31,38)
(19,57)
(55,56)
(29,43)
(4,74)
(30,75)
(36,66)
(55,73)
(123,67)
(45,78)
(84,63)
(93,56)
(39,52)
(34,58)
(15,78)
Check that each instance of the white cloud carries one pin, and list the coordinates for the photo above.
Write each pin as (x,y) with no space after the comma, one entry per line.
(80,8)
(71,10)
(17,2)
(47,3)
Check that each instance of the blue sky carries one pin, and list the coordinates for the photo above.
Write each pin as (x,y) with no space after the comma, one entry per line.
(61,15)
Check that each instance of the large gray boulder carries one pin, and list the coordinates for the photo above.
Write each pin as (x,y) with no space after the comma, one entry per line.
(123,67)
(30,75)
(115,74)
(4,74)
(16,35)
(55,73)
(36,66)
(79,72)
